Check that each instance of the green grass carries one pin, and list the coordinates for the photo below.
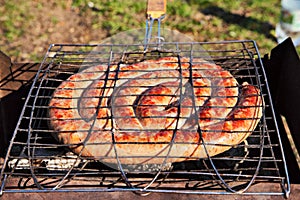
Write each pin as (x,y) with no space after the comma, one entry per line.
(205,20)
(13,25)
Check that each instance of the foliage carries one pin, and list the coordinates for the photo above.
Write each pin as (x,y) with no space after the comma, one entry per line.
(205,20)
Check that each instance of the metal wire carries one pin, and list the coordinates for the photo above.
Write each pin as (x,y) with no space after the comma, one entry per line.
(39,163)
(148,34)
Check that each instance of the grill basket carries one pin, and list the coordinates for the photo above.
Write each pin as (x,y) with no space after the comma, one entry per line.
(35,161)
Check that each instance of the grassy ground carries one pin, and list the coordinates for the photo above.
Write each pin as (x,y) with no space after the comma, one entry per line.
(28,27)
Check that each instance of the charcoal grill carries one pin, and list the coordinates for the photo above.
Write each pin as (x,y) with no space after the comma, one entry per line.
(36,162)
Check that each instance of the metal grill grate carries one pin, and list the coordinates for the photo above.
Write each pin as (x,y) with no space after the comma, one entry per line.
(35,161)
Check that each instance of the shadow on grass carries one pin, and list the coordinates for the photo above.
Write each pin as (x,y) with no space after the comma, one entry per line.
(249,23)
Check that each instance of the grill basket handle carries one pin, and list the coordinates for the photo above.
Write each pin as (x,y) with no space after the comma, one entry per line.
(156,9)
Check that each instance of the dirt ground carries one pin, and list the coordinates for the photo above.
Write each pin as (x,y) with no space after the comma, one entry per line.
(51,23)
(43,22)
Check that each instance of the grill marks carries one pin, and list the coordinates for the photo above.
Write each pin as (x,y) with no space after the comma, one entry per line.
(163,88)
(241,120)
(152,90)
(147,101)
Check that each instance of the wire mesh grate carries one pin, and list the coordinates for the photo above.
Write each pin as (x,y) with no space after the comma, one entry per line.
(36,161)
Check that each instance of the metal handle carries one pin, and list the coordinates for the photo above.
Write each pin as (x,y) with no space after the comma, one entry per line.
(156,10)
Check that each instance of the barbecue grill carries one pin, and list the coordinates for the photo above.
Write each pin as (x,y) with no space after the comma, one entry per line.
(36,162)
(42,164)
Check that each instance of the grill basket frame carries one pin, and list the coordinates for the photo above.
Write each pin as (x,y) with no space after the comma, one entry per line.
(31,172)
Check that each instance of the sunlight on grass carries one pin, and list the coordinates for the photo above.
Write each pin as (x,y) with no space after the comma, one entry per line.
(205,20)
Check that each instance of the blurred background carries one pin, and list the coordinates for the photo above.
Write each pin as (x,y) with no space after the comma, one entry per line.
(27,28)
